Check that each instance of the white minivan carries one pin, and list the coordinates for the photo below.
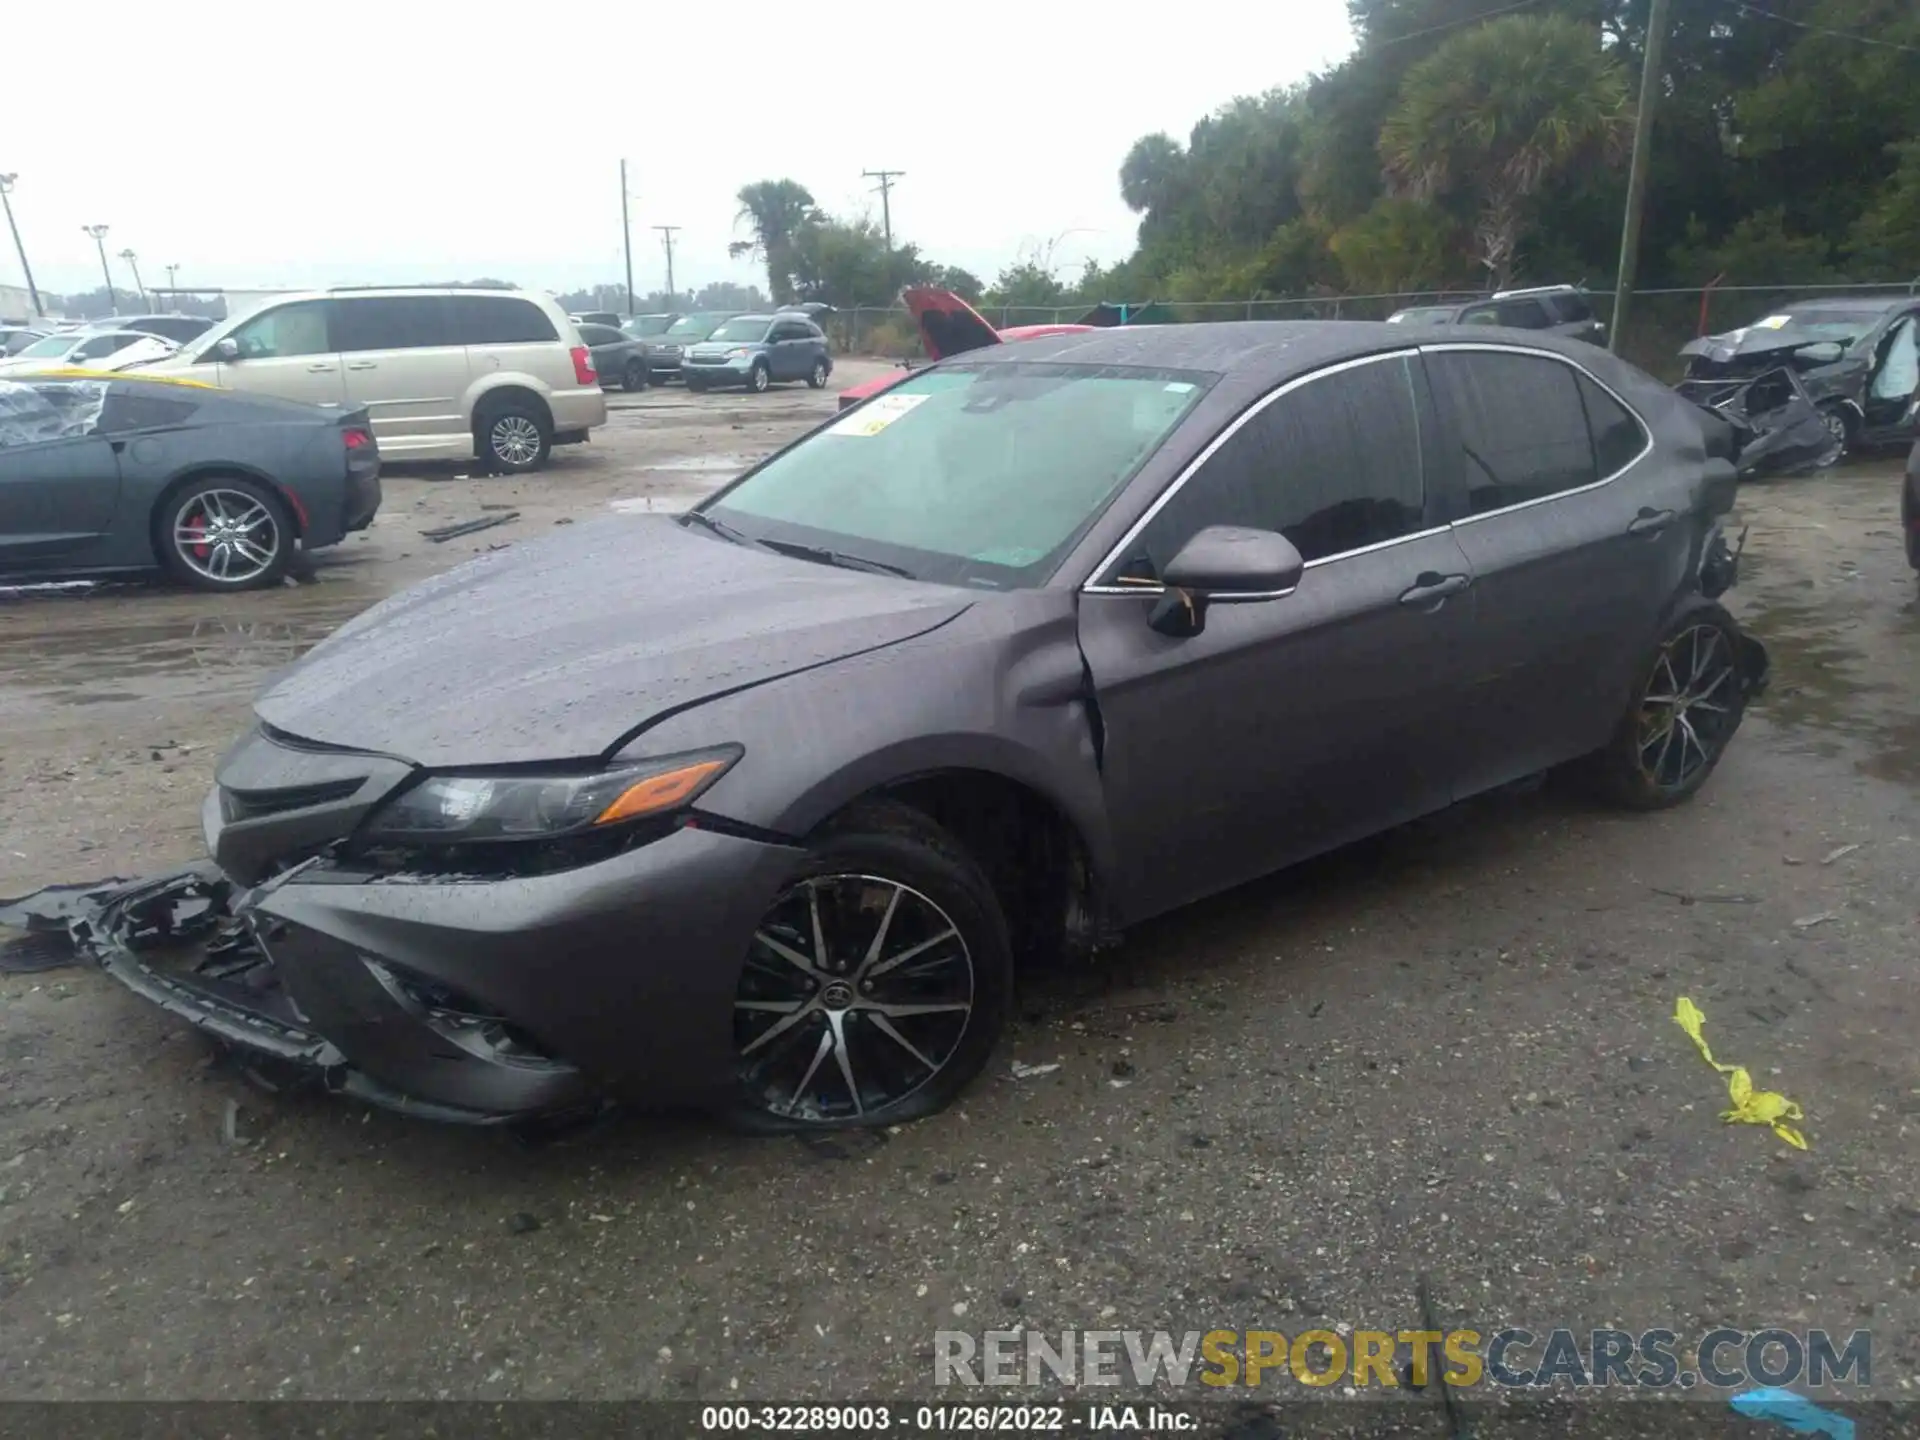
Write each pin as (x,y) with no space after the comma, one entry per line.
(445,373)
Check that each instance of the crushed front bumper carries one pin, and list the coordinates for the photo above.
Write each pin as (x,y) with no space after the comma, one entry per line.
(479,1002)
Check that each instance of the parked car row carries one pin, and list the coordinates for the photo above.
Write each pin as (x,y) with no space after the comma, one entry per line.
(717,349)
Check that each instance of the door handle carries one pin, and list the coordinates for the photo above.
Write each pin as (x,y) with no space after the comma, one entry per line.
(1651,521)
(362,365)
(1433,589)
(319,369)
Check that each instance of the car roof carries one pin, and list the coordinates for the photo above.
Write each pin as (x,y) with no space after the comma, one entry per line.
(1848,302)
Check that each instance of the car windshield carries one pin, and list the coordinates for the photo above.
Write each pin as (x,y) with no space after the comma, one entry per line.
(1840,326)
(978,474)
(1427,315)
(694,327)
(743,327)
(48,348)
(646,325)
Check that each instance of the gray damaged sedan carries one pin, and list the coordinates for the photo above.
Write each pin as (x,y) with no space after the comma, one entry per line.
(106,475)
(764,806)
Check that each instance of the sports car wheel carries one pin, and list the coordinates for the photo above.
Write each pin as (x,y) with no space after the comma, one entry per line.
(875,985)
(225,533)
(1689,703)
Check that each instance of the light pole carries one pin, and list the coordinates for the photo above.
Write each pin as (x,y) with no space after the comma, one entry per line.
(133,264)
(173,290)
(99,234)
(6,189)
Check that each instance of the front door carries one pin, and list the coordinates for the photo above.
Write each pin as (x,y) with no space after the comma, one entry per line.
(403,362)
(286,351)
(1291,725)
(1895,382)
(1578,542)
(59,480)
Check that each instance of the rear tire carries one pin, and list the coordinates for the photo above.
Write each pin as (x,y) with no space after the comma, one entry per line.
(1687,705)
(513,437)
(635,376)
(759,378)
(225,533)
(911,1016)
(817,377)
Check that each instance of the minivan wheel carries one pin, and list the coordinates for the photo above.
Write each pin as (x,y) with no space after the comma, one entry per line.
(514,437)
(759,378)
(225,533)
(817,377)
(1690,700)
(635,377)
(876,983)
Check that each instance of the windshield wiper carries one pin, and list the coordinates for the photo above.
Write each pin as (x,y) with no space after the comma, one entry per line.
(823,556)
(718,527)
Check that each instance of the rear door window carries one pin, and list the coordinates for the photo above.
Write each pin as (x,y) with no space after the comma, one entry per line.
(1574,307)
(499,320)
(1334,466)
(1518,425)
(391,322)
(1527,314)
(600,335)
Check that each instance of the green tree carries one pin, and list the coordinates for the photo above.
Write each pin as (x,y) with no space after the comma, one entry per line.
(1499,110)
(1397,246)
(1027,285)
(846,263)
(776,211)
(963,283)
(1886,239)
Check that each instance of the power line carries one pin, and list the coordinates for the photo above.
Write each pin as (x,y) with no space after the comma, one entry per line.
(1854,35)
(1452,25)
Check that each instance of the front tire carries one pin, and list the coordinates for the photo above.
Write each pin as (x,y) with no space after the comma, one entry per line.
(1688,704)
(225,533)
(759,378)
(514,437)
(876,984)
(1841,426)
(635,377)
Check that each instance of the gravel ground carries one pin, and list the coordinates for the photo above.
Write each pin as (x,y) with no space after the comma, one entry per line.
(1448,1051)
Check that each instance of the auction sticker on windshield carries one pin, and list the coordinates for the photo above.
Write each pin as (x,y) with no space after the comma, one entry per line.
(876,415)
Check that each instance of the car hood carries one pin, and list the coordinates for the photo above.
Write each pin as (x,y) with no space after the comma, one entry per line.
(563,648)
(1755,345)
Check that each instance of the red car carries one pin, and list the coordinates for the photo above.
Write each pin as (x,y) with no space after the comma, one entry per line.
(949,326)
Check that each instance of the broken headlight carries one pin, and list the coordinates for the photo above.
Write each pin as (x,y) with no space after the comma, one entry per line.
(462,810)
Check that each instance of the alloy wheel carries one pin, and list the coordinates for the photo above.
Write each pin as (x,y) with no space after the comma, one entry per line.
(857,991)
(1689,709)
(227,536)
(515,439)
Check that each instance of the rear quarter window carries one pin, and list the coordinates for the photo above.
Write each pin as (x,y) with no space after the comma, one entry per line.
(1618,435)
(500,320)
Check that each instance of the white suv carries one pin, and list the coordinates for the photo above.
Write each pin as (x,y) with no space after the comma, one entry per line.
(445,374)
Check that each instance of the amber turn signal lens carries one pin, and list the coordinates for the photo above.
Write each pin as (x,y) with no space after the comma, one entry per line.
(659,792)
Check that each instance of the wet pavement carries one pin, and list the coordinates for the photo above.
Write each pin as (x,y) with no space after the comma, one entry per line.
(1448,1051)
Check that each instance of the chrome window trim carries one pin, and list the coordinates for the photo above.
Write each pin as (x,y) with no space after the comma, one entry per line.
(1579,369)
(1299,382)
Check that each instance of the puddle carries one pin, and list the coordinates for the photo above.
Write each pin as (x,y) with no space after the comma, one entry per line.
(705,465)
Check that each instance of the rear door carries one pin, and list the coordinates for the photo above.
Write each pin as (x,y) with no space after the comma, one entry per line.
(403,363)
(287,350)
(510,335)
(1300,722)
(59,477)
(1573,530)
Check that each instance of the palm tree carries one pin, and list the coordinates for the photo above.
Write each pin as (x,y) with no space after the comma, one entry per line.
(777,210)
(1499,110)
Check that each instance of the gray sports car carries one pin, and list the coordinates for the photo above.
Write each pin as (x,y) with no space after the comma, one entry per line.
(763,806)
(218,489)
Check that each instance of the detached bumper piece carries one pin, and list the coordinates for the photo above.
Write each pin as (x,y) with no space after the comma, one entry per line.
(197,948)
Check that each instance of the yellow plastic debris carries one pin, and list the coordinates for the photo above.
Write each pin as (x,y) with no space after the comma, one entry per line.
(1750,1106)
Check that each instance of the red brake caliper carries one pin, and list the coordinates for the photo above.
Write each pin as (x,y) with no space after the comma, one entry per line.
(198,525)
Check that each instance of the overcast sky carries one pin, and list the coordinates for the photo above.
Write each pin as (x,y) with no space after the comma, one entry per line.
(418,140)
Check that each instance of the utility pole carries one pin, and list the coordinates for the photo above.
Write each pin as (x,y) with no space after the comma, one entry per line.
(99,234)
(626,236)
(666,239)
(1650,75)
(6,189)
(885,187)
(173,291)
(133,264)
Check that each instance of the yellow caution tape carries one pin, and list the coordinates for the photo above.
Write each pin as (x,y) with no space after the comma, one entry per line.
(1750,1106)
(74,372)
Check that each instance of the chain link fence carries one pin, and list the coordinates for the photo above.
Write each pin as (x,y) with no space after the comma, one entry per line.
(1659,321)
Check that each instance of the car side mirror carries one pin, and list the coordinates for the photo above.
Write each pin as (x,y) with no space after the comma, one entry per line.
(228,349)
(1224,565)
